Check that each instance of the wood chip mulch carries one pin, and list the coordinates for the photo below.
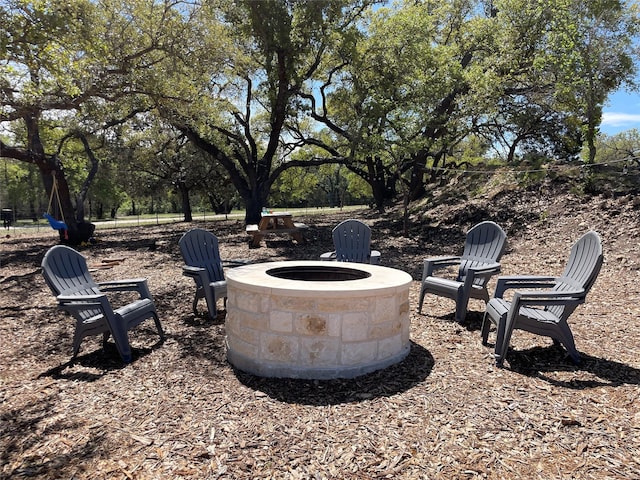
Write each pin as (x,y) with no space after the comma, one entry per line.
(180,411)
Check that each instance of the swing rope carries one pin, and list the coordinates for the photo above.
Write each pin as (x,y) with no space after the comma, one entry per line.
(56,224)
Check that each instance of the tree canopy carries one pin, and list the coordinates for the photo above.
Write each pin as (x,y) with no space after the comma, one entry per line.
(389,91)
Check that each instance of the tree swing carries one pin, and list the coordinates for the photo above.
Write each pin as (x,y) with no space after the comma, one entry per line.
(59,225)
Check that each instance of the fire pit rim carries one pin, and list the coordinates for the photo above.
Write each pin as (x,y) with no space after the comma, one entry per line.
(254,277)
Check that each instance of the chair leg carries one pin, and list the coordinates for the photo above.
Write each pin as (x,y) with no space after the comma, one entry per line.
(77,338)
(568,342)
(156,320)
(120,335)
(212,305)
(462,300)
(195,305)
(209,294)
(422,292)
(461,306)
(499,350)
(575,358)
(124,349)
(486,326)
(502,343)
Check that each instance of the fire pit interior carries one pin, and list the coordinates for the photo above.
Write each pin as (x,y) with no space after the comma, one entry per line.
(312,320)
(318,273)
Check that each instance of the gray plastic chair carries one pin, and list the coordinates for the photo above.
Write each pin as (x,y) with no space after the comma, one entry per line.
(544,312)
(483,248)
(201,256)
(68,277)
(352,243)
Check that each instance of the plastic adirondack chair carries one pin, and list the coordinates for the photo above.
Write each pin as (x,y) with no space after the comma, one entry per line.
(352,243)
(483,248)
(545,311)
(202,263)
(68,277)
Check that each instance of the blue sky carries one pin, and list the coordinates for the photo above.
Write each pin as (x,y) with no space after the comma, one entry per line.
(621,112)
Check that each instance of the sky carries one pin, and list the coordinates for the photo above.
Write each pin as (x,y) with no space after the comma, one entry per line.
(621,112)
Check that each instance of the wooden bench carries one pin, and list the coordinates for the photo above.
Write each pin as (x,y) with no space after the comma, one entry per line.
(276,224)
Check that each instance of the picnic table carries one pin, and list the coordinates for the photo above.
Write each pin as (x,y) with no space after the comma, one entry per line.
(276,224)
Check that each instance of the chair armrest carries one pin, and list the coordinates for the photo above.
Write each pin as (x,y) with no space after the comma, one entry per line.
(84,299)
(485,268)
(122,285)
(127,285)
(200,275)
(432,264)
(484,271)
(77,303)
(544,299)
(191,271)
(522,281)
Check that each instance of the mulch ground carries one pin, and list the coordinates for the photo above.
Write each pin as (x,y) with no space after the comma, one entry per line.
(179,410)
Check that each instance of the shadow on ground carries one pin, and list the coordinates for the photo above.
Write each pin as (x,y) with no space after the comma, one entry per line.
(541,362)
(101,361)
(414,369)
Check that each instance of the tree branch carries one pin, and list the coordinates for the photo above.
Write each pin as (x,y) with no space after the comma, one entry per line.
(304,163)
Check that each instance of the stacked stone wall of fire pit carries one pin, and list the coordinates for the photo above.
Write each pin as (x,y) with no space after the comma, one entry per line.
(277,327)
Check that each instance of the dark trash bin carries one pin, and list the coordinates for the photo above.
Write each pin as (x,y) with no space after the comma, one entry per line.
(7,217)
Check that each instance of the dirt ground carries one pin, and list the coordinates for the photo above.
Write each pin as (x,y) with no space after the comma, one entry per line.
(179,410)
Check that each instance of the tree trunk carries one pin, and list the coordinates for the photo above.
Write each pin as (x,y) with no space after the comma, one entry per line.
(254,201)
(591,136)
(79,206)
(377,180)
(416,188)
(405,214)
(511,155)
(378,191)
(186,202)
(32,194)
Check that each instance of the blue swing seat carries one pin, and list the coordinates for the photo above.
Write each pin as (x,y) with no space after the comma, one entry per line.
(55,224)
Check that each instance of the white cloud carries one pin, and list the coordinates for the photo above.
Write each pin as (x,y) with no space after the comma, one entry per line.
(619,119)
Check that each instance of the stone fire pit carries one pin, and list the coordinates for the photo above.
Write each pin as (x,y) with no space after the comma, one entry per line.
(316,320)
